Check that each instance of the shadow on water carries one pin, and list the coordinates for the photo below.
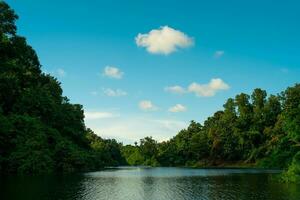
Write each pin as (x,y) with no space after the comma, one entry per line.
(46,187)
(151,184)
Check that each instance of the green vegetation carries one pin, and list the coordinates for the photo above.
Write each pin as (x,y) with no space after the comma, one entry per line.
(251,130)
(41,131)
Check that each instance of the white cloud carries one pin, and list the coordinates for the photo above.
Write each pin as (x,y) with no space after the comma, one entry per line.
(219,54)
(60,72)
(94,93)
(114,93)
(147,105)
(210,89)
(175,89)
(204,90)
(164,40)
(173,125)
(99,115)
(129,129)
(177,108)
(113,72)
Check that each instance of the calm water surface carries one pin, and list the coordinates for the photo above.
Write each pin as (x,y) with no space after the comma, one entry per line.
(152,184)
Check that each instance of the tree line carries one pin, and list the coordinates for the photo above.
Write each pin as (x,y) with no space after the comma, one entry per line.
(251,130)
(41,131)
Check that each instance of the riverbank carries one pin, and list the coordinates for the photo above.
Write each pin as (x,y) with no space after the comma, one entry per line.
(224,164)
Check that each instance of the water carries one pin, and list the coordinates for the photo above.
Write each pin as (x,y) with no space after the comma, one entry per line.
(151,184)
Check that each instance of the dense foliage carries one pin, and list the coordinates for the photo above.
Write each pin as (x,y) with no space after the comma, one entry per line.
(40,130)
(257,130)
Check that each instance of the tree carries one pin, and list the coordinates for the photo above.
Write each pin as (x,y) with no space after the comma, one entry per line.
(258,100)
(7,19)
(41,131)
(148,147)
(291,113)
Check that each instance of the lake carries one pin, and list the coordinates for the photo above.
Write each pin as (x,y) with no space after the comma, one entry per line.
(161,183)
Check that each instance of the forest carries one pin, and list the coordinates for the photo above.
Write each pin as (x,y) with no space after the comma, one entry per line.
(42,132)
(254,130)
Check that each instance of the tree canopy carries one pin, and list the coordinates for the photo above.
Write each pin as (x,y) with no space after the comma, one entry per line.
(251,130)
(41,131)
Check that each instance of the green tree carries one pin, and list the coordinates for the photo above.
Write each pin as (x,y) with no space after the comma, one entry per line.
(41,131)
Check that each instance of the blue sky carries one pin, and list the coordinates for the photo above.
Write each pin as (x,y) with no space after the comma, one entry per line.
(209,50)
